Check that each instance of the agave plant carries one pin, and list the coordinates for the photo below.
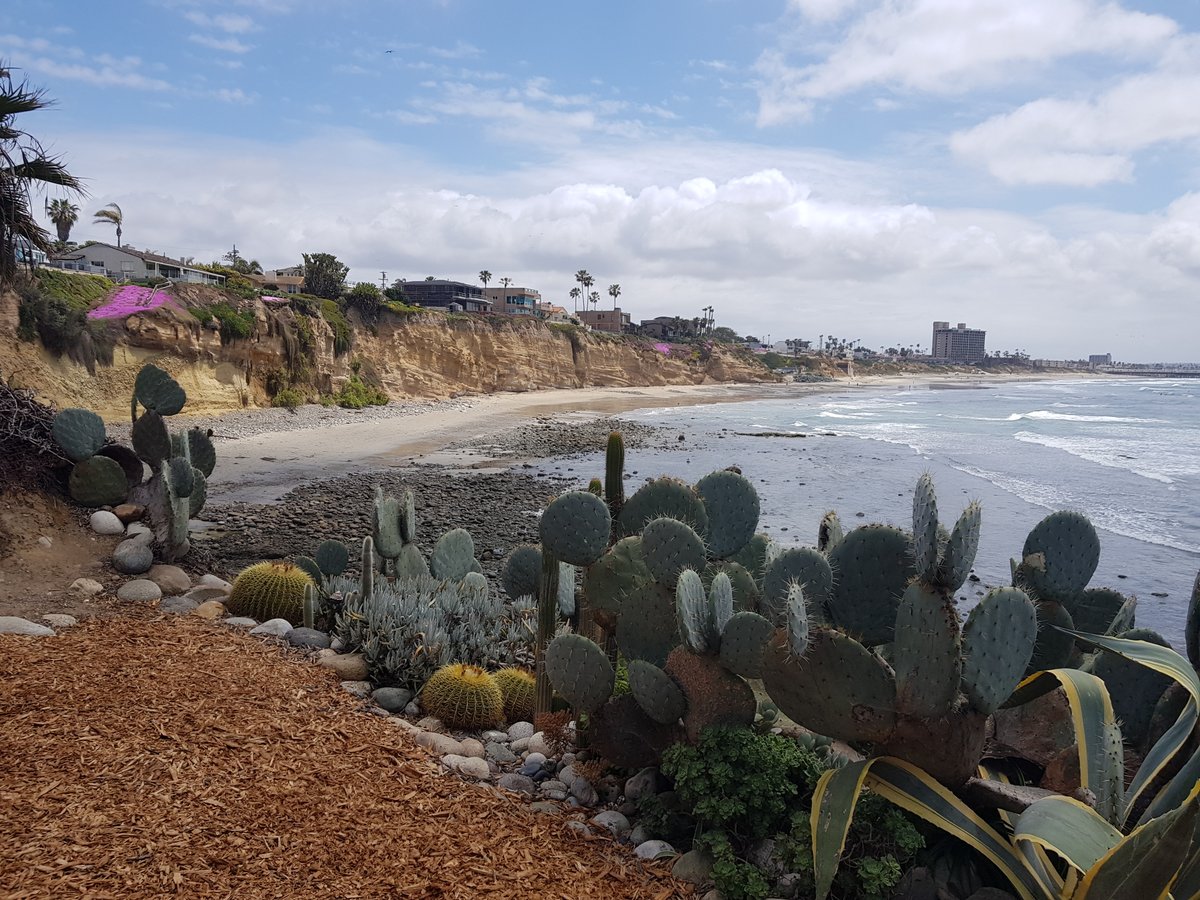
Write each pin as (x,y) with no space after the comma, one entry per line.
(1146,844)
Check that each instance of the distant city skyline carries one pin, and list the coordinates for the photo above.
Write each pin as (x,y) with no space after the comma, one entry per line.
(802,166)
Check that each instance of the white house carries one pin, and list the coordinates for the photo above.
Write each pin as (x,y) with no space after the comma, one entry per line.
(130,264)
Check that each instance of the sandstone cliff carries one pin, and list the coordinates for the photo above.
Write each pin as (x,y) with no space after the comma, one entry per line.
(413,355)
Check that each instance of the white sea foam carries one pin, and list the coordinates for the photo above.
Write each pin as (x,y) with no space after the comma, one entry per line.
(1046,415)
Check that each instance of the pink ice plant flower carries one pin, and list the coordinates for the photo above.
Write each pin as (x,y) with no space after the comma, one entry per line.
(664,349)
(275,299)
(129,300)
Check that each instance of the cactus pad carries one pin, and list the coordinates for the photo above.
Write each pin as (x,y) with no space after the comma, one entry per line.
(742,644)
(616,575)
(926,654)
(838,687)
(669,547)
(522,572)
(133,467)
(647,627)
(694,613)
(714,696)
(998,642)
(463,696)
(202,451)
(1192,626)
(622,733)
(517,689)
(925,529)
(270,590)
(309,566)
(1060,556)
(667,497)
(1134,689)
(182,477)
(1053,646)
(408,518)
(830,532)
(385,524)
(199,493)
(753,557)
(800,565)
(575,528)
(151,439)
(872,566)
(411,565)
(720,602)
(1094,610)
(579,671)
(745,590)
(98,481)
(453,555)
(960,550)
(80,433)
(158,391)
(656,692)
(732,506)
(332,557)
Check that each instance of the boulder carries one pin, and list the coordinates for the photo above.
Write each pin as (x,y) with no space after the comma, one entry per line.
(58,620)
(17,625)
(473,748)
(209,609)
(239,622)
(129,512)
(86,587)
(140,590)
(180,606)
(643,784)
(308,638)
(520,784)
(518,730)
(441,744)
(212,581)
(469,766)
(204,594)
(617,824)
(653,850)
(133,557)
(139,532)
(499,753)
(537,744)
(359,689)
(272,628)
(694,866)
(103,522)
(172,579)
(349,666)
(393,699)
(1038,731)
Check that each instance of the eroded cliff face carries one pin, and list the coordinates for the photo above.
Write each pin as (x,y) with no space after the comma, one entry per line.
(416,355)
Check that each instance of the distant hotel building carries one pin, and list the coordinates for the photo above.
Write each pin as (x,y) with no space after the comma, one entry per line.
(961,344)
(513,301)
(1100,359)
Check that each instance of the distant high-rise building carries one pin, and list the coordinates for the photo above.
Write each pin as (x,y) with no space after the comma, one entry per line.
(1100,359)
(961,344)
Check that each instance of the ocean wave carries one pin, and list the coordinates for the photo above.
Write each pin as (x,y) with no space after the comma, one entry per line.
(1118,520)
(1101,453)
(1047,415)
(830,414)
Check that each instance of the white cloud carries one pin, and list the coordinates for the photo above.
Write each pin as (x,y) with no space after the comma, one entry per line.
(460,50)
(230,23)
(1086,142)
(951,46)
(824,10)
(71,63)
(234,95)
(225,45)
(810,245)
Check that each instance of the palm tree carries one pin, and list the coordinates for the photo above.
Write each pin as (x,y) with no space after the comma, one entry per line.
(594,298)
(24,165)
(64,214)
(584,280)
(110,215)
(506,282)
(614,291)
(575,292)
(485,276)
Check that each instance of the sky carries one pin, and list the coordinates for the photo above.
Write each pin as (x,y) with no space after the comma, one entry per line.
(857,168)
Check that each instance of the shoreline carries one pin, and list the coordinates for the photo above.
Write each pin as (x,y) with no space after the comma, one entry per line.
(263,465)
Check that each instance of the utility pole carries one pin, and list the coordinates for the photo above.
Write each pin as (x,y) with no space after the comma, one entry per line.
(383,281)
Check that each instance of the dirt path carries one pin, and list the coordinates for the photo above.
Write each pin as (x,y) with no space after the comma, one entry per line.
(158,757)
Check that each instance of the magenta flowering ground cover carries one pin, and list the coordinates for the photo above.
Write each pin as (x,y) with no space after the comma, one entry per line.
(664,349)
(275,299)
(129,300)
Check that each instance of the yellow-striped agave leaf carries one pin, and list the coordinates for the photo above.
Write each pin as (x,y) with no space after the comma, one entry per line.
(1069,828)
(1101,758)
(922,795)
(1148,863)
(1165,752)
(1034,854)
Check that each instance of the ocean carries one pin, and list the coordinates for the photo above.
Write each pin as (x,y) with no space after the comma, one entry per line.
(1124,452)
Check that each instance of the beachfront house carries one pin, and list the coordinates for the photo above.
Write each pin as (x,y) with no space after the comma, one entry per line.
(452,296)
(130,264)
(513,301)
(279,281)
(614,321)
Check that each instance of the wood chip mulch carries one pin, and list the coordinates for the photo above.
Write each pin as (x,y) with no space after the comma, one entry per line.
(172,757)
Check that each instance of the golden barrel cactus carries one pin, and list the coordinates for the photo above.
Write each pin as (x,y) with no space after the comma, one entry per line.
(463,696)
(270,590)
(516,687)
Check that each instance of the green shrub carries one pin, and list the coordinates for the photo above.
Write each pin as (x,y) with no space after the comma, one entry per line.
(235,324)
(742,786)
(367,299)
(401,308)
(342,336)
(77,290)
(356,394)
(289,398)
(63,328)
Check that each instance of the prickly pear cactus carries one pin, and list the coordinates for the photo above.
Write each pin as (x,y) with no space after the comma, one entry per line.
(656,692)
(580,671)
(201,451)
(647,627)
(742,643)
(151,439)
(575,528)
(1060,556)
(522,570)
(453,555)
(617,575)
(98,481)
(332,557)
(1096,609)
(926,655)
(669,547)
(1134,689)
(663,497)
(830,533)
(799,565)
(80,433)
(732,507)
(157,391)
(872,567)
(998,642)
(386,525)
